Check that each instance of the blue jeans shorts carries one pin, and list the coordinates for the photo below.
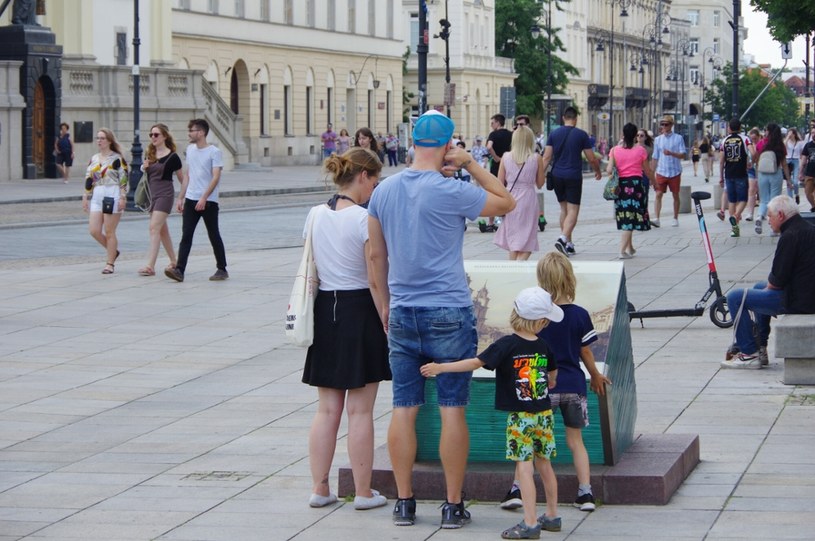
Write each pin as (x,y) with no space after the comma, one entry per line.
(573,408)
(736,189)
(419,335)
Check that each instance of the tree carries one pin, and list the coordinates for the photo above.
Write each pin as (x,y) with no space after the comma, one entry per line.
(514,20)
(787,19)
(779,104)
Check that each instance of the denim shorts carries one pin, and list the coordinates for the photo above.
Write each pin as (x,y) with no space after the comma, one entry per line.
(736,189)
(419,335)
(573,408)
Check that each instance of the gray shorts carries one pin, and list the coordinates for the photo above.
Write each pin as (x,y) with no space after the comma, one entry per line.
(573,408)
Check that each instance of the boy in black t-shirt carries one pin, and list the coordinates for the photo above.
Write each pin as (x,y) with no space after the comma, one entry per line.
(524,373)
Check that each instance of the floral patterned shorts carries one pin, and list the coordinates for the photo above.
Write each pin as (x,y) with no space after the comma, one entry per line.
(530,435)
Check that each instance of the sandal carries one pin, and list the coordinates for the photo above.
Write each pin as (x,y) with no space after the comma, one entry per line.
(107,270)
(115,258)
(147,271)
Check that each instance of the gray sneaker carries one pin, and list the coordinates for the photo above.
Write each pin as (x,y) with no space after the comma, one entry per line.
(219,275)
(454,515)
(763,357)
(758,226)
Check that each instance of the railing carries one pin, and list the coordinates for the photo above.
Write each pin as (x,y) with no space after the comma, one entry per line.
(224,123)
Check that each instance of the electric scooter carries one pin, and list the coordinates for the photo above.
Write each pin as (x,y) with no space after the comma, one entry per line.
(719,314)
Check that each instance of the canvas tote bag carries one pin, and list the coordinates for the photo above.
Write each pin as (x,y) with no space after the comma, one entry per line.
(300,312)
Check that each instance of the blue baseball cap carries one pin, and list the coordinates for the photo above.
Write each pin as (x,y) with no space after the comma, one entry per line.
(433,129)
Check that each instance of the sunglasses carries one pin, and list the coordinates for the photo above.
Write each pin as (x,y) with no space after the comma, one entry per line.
(154,134)
(640,135)
(665,124)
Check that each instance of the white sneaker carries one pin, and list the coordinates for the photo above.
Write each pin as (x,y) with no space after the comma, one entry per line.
(321,501)
(743,361)
(655,223)
(675,223)
(361,503)
(763,357)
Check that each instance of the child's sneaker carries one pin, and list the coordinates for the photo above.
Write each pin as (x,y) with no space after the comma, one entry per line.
(522,531)
(512,500)
(585,502)
(549,524)
(720,215)
(734,227)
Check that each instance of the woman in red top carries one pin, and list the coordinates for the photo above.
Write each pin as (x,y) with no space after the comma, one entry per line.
(630,207)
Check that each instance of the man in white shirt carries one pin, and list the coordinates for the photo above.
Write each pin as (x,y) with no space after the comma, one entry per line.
(669,151)
(198,199)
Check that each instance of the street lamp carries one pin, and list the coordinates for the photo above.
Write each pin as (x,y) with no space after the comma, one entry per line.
(136,149)
(623,13)
(535,35)
(445,35)
(684,47)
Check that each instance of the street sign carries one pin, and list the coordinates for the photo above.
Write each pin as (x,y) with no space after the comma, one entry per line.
(716,117)
(508,101)
(786,50)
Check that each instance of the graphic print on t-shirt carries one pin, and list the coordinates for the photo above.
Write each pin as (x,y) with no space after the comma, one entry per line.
(531,380)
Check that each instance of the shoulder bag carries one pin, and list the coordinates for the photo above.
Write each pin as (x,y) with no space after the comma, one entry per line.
(612,187)
(300,312)
(142,197)
(550,179)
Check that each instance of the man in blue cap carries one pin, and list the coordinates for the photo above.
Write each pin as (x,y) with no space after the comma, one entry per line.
(416,229)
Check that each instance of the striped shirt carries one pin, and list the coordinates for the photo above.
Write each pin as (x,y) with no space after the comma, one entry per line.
(668,166)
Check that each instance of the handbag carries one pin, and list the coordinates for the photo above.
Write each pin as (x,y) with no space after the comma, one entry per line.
(767,163)
(612,187)
(550,178)
(142,197)
(300,312)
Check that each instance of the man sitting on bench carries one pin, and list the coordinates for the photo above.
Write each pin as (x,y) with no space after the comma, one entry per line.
(789,289)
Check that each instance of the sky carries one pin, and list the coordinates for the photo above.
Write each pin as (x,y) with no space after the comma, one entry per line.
(765,49)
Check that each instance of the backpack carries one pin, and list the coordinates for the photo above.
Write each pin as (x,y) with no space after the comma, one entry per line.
(767,162)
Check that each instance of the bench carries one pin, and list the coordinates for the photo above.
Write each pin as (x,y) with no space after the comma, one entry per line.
(795,343)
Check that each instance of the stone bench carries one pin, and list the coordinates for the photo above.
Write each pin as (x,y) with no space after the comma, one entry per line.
(795,343)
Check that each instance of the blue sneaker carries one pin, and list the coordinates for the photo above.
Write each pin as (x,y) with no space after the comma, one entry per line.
(549,524)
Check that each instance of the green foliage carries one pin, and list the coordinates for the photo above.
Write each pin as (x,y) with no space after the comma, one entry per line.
(406,95)
(513,39)
(787,19)
(779,104)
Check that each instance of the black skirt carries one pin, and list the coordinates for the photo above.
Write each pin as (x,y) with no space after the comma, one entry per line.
(350,347)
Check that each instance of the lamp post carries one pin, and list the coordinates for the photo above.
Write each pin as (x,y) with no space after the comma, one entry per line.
(623,13)
(603,38)
(536,35)
(638,60)
(421,53)
(445,35)
(658,28)
(135,150)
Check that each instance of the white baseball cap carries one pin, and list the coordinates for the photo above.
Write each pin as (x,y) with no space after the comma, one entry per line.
(534,303)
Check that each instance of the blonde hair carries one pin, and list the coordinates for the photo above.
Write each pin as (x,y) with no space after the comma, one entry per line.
(169,142)
(523,144)
(345,168)
(556,275)
(531,326)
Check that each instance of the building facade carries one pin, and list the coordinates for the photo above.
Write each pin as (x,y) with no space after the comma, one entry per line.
(288,68)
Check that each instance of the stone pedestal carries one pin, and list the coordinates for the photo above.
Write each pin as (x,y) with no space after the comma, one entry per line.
(41,88)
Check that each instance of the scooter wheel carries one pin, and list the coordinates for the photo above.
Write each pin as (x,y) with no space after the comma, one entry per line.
(719,314)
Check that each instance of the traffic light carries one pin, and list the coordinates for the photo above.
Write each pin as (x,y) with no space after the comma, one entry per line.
(445,29)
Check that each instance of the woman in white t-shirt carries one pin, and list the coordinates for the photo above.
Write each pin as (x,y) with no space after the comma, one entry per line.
(349,356)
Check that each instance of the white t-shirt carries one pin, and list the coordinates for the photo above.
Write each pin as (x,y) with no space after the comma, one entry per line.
(338,241)
(201,163)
